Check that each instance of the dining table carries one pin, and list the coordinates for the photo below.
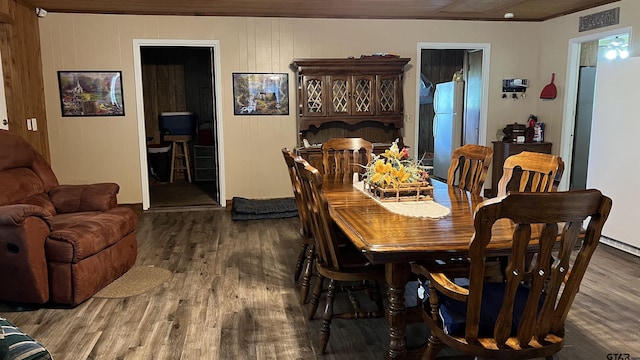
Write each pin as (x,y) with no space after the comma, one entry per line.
(396,240)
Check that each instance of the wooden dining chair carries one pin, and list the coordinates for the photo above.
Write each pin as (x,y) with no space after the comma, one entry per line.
(509,320)
(337,260)
(469,165)
(540,172)
(345,156)
(304,265)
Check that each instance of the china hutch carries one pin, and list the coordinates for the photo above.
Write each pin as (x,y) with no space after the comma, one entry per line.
(350,97)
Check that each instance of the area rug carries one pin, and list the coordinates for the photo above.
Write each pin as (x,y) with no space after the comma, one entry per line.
(249,209)
(134,282)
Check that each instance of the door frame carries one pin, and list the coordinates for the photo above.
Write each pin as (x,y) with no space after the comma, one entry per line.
(217,91)
(486,66)
(571,98)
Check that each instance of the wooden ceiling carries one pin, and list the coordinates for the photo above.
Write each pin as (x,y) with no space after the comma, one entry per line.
(523,10)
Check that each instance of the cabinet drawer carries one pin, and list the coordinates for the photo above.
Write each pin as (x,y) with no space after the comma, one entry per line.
(204,163)
(532,147)
(205,175)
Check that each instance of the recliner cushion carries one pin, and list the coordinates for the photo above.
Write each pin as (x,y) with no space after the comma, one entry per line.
(41,200)
(79,198)
(18,184)
(76,236)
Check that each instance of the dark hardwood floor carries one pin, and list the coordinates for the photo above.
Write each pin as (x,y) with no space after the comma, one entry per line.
(181,194)
(232,296)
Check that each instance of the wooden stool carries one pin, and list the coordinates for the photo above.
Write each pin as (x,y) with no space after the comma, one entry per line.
(179,154)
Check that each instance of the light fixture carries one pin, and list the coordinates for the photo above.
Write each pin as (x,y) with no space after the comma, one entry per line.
(623,54)
(616,52)
(614,47)
(508,15)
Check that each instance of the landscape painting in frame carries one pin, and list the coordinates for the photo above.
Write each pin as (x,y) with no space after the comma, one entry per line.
(91,93)
(260,94)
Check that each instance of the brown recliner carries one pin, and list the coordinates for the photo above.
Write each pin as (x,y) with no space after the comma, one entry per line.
(58,243)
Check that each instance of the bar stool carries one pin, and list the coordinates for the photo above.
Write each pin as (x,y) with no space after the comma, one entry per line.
(179,154)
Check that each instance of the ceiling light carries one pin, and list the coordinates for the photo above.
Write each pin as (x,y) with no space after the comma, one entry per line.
(611,54)
(508,15)
(623,54)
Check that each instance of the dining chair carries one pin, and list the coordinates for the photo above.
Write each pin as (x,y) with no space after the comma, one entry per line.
(510,320)
(469,165)
(345,156)
(540,172)
(304,265)
(337,260)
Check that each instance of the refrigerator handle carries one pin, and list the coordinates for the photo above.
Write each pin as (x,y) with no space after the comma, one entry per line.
(435,126)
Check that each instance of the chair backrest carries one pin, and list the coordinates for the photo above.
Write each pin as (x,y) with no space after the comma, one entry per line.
(556,272)
(344,156)
(540,172)
(305,225)
(469,165)
(327,244)
(24,173)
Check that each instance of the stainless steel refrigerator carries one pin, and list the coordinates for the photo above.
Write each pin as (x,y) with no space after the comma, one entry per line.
(448,105)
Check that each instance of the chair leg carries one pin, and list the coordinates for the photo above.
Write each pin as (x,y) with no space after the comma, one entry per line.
(325,331)
(307,273)
(433,348)
(378,298)
(315,298)
(301,257)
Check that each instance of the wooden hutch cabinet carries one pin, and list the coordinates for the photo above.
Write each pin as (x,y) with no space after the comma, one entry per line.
(352,97)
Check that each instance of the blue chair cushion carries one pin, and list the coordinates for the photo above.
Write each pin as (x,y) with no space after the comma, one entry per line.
(454,313)
(14,344)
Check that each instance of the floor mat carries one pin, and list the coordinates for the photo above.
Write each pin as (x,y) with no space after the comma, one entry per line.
(249,209)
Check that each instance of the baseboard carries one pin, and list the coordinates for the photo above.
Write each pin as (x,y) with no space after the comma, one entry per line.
(621,246)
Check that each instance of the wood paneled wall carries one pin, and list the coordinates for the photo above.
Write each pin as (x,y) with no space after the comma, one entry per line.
(22,68)
(176,79)
(163,86)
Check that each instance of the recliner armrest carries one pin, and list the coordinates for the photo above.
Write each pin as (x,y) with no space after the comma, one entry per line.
(77,198)
(15,215)
(23,230)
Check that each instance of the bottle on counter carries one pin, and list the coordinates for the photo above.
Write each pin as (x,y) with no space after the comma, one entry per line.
(538,132)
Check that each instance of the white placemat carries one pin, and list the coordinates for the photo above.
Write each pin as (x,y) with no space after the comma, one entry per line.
(427,208)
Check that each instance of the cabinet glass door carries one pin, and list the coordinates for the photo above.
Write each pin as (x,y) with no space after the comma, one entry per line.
(388,93)
(362,97)
(340,95)
(313,96)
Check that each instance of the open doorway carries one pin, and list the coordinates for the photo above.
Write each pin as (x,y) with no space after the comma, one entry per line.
(584,55)
(179,123)
(448,69)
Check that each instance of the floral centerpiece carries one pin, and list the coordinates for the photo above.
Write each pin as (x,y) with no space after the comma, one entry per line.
(393,176)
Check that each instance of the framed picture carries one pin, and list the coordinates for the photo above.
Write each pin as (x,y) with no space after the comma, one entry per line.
(91,93)
(260,94)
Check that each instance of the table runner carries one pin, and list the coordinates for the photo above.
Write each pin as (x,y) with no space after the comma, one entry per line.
(425,208)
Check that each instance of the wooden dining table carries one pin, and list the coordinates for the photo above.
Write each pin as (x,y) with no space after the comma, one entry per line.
(397,240)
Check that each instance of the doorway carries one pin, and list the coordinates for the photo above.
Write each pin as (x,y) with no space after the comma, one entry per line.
(176,88)
(438,64)
(584,55)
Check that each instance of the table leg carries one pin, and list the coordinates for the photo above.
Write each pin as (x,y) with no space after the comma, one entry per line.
(397,276)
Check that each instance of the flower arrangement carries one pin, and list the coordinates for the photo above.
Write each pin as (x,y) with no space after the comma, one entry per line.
(393,176)
(393,168)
